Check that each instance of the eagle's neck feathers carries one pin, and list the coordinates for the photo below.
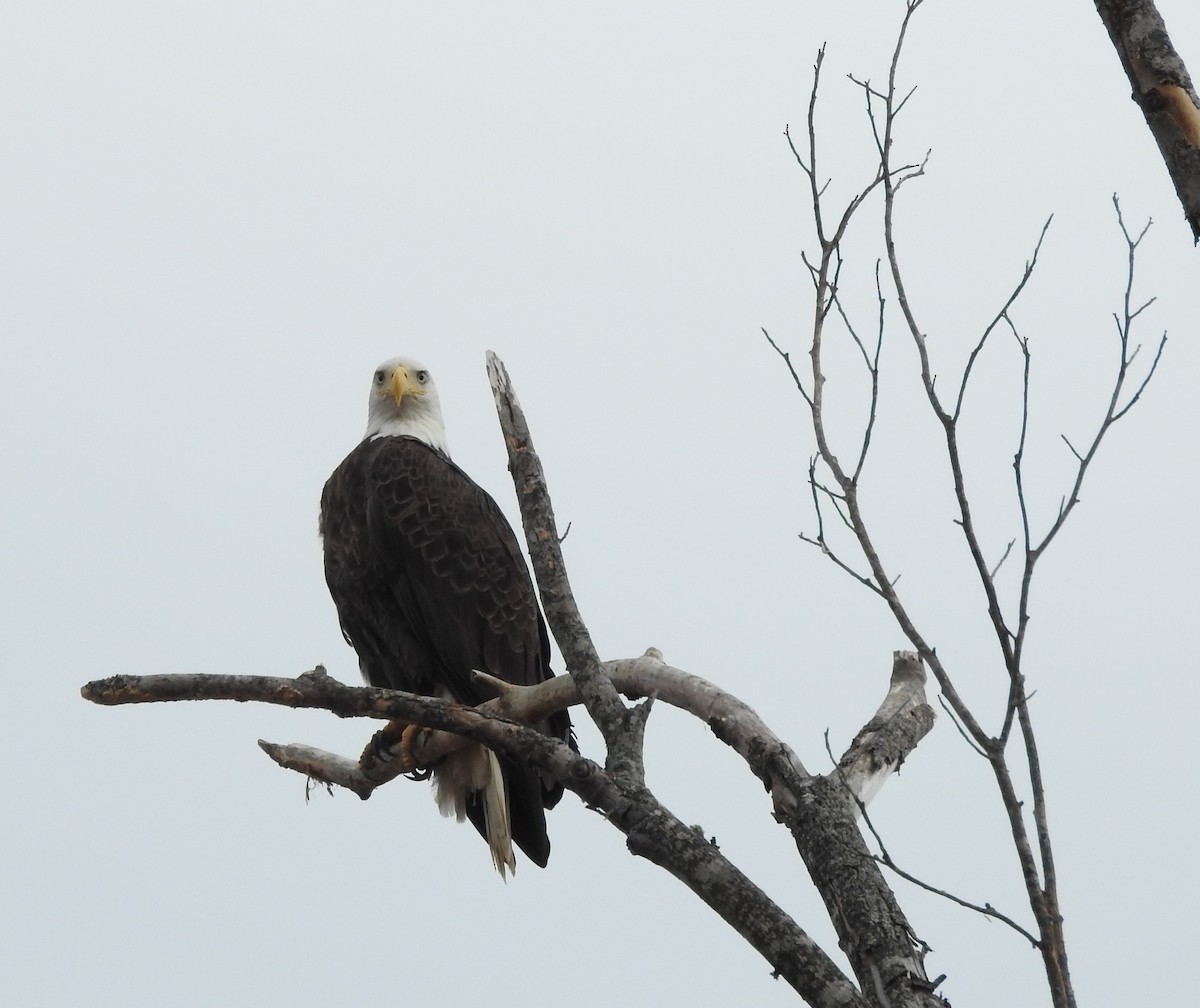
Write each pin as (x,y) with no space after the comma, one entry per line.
(424,425)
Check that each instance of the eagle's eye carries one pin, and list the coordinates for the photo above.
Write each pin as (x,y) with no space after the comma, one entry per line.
(422,377)
(379,376)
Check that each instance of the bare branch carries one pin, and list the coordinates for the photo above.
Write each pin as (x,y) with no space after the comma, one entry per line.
(323,767)
(562,613)
(986,909)
(787,360)
(903,719)
(1001,315)
(1115,409)
(1004,556)
(961,730)
(1078,458)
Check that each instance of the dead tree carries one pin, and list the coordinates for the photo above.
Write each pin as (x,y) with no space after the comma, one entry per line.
(822,811)
(819,810)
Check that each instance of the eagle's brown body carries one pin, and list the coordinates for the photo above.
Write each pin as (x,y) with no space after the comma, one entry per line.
(429,585)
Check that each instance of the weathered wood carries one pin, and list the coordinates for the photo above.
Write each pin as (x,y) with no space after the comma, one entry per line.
(1163,91)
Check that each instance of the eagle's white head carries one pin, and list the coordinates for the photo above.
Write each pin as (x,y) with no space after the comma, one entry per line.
(404,400)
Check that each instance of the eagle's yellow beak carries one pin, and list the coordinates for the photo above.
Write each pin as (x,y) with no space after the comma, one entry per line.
(401,384)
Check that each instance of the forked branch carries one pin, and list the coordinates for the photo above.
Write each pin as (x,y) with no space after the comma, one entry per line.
(1028,820)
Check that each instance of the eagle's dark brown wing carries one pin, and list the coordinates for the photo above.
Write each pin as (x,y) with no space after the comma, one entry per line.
(429,585)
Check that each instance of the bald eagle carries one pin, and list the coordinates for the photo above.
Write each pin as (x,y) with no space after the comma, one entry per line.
(430,585)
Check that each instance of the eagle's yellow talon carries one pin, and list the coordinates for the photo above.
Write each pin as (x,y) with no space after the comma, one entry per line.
(396,737)
(407,737)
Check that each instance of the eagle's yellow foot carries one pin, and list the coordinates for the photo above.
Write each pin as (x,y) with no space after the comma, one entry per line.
(394,741)
(408,736)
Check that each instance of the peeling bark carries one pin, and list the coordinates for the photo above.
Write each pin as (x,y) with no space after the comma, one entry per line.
(885,954)
(903,719)
(1163,91)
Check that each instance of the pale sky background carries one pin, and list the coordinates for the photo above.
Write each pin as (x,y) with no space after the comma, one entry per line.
(218,217)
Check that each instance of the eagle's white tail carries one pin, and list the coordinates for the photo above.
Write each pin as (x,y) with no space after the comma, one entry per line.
(472,769)
(495,815)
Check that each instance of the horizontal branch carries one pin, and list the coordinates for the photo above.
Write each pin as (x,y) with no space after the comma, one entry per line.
(733,721)
(316,689)
(900,722)
(651,830)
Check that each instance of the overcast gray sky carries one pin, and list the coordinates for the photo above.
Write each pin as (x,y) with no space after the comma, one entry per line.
(218,217)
